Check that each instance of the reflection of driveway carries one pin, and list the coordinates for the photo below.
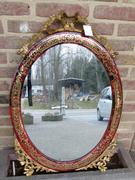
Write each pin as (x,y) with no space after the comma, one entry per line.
(82,115)
(69,139)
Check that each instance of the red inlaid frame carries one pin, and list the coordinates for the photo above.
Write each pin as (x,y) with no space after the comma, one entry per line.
(15,100)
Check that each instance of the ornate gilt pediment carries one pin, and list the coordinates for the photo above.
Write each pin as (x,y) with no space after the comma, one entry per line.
(60,23)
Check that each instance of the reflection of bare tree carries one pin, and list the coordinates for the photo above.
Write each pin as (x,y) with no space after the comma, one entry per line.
(43,78)
(55,63)
(49,70)
(59,59)
(68,61)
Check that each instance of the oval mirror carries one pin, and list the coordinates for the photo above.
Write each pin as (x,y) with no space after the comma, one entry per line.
(66,101)
(70,95)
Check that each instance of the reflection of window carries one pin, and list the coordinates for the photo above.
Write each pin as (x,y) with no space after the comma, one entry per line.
(106,94)
(103,94)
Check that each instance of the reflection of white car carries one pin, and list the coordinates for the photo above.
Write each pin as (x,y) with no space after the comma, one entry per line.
(104,106)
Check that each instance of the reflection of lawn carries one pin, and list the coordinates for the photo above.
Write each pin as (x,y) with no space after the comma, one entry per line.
(86,104)
(39,105)
(76,104)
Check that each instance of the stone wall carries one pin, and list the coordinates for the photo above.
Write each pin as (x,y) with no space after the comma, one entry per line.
(115,19)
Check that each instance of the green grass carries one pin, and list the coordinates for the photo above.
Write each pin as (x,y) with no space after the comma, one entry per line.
(77,104)
(86,104)
(39,105)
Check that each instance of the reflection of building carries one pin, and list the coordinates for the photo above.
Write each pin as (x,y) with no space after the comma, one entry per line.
(71,86)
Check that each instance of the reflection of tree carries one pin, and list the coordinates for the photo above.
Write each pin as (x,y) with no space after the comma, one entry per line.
(102,78)
(86,66)
(95,75)
(55,62)
(43,78)
(50,70)
(66,61)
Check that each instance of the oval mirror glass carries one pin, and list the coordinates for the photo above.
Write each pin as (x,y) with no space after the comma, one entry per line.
(66,102)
